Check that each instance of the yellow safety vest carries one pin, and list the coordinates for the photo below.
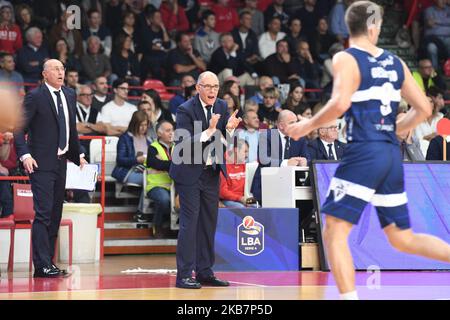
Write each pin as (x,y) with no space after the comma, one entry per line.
(156,178)
(419,80)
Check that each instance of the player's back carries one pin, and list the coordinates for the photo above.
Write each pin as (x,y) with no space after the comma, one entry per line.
(373,112)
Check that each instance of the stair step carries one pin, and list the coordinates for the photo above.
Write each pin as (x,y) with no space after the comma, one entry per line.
(114,234)
(140,246)
(126,224)
(119,216)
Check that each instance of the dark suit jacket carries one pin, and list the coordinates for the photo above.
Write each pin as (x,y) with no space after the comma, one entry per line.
(41,124)
(297,148)
(187,114)
(219,62)
(317,150)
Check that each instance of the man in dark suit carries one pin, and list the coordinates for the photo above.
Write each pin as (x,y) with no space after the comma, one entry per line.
(276,149)
(200,120)
(326,146)
(52,140)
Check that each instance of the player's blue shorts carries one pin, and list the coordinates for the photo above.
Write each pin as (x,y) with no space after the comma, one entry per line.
(369,172)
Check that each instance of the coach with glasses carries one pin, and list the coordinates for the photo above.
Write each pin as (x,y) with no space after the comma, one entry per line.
(52,140)
(197,182)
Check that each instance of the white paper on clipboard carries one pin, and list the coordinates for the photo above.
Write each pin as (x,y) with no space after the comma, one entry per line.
(81,179)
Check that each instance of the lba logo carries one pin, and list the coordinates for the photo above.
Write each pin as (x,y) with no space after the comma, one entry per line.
(250,236)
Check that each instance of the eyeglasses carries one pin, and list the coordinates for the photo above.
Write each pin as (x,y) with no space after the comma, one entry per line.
(209,87)
(86,94)
(123,88)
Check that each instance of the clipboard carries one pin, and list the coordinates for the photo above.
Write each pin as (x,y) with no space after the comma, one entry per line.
(81,179)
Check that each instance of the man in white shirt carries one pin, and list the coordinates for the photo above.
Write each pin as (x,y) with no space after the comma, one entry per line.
(116,114)
(268,40)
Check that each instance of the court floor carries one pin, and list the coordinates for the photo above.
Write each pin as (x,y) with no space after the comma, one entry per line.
(105,280)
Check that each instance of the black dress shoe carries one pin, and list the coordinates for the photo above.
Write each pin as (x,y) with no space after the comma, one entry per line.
(213,282)
(188,283)
(64,273)
(46,272)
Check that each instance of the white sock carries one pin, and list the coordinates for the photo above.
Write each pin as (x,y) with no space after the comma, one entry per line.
(352,295)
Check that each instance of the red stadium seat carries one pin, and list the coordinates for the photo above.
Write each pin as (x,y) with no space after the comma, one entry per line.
(8,223)
(23,213)
(159,87)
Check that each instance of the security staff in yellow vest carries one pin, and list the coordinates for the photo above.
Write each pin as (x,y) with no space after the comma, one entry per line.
(159,159)
(426,77)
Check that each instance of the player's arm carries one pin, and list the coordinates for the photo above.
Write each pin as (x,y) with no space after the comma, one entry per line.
(421,107)
(346,80)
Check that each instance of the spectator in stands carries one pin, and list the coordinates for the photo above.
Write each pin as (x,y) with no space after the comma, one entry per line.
(267,112)
(227,17)
(129,29)
(155,44)
(426,130)
(232,103)
(415,18)
(125,63)
(247,40)
(409,147)
(276,9)
(116,114)
(322,41)
(132,153)
(257,16)
(72,79)
(8,73)
(101,96)
(95,64)
(232,84)
(26,19)
(309,15)
(31,57)
(264,83)
(268,40)
(159,158)
(437,32)
(232,187)
(436,149)
(327,71)
(251,133)
(206,40)
(180,97)
(88,119)
(73,37)
(306,67)
(10,33)
(6,199)
(160,113)
(337,20)
(228,60)
(280,64)
(62,53)
(294,35)
(427,77)
(96,28)
(288,153)
(296,98)
(326,146)
(149,109)
(174,16)
(184,59)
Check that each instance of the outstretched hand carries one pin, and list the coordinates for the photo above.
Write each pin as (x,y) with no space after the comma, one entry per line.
(233,122)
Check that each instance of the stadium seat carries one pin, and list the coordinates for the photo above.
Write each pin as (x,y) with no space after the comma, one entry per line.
(5,224)
(23,214)
(95,153)
(158,86)
(250,169)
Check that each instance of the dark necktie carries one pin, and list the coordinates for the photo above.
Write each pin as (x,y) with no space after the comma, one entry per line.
(62,138)
(208,114)
(208,118)
(330,152)
(287,145)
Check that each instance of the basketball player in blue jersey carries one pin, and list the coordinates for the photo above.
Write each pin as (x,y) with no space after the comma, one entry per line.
(368,85)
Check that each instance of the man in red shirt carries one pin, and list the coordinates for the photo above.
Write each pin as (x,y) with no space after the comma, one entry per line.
(226,17)
(10,34)
(232,187)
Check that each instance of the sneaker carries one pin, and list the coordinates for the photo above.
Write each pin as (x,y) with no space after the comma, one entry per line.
(141,217)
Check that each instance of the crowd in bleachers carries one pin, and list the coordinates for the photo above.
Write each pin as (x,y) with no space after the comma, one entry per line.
(272,57)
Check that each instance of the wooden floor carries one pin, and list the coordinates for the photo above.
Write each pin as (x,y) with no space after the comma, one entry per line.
(106,280)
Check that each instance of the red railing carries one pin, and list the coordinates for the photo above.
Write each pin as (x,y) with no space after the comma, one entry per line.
(101,218)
